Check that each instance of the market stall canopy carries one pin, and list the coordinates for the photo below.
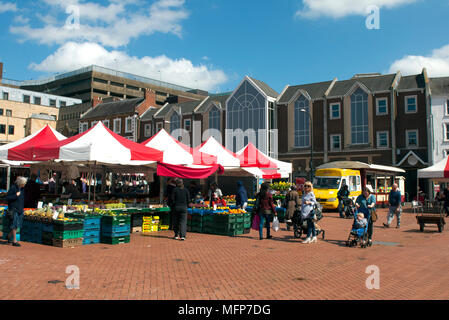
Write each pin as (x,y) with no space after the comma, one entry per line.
(98,144)
(259,164)
(176,171)
(22,150)
(176,152)
(439,171)
(359,165)
(226,158)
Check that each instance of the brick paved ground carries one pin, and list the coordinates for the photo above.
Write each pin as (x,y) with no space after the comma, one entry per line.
(216,267)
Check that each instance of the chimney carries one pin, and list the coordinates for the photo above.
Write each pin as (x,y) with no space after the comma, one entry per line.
(96,101)
(1,71)
(150,101)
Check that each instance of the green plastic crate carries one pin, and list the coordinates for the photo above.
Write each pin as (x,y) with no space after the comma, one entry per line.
(63,235)
(116,220)
(198,229)
(115,240)
(224,218)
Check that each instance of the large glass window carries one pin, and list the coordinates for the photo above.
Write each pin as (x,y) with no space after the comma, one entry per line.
(302,123)
(175,122)
(246,109)
(359,117)
(214,118)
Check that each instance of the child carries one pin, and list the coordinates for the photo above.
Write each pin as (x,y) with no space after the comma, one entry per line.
(360,222)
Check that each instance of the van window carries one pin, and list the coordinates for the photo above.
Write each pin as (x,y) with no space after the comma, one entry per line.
(359,183)
(352,183)
(327,183)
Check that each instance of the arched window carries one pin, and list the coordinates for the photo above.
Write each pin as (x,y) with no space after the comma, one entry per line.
(247,109)
(214,119)
(175,122)
(359,117)
(302,123)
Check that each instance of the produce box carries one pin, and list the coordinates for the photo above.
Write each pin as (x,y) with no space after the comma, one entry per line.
(116,240)
(68,225)
(64,235)
(91,240)
(163,227)
(91,234)
(68,243)
(116,220)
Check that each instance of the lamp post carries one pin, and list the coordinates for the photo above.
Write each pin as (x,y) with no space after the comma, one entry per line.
(311,143)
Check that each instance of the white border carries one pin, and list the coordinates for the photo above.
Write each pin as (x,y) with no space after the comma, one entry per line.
(330,110)
(332,149)
(377,107)
(406,105)
(378,139)
(407,139)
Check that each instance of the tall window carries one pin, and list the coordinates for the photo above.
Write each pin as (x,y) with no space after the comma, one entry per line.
(447,107)
(359,117)
(175,122)
(214,118)
(381,107)
(410,104)
(148,130)
(84,126)
(106,123)
(382,139)
(8,113)
(334,111)
(11,130)
(302,123)
(335,142)
(159,126)
(26,98)
(446,132)
(62,104)
(37,100)
(52,103)
(188,124)
(2,128)
(5,96)
(129,125)
(412,138)
(247,109)
(118,126)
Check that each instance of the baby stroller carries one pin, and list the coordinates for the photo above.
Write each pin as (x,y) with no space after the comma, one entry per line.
(349,208)
(359,235)
(300,224)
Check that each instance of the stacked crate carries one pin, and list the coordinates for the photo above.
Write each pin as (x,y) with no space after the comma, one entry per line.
(47,233)
(91,227)
(246,223)
(224,224)
(68,233)
(195,222)
(115,229)
(150,224)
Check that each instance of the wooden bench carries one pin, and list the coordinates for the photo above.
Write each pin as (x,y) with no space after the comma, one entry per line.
(431,218)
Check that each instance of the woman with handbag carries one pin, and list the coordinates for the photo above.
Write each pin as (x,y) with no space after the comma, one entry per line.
(366,202)
(292,203)
(307,213)
(265,209)
(16,200)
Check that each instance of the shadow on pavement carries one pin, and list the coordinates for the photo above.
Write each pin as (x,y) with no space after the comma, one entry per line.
(340,243)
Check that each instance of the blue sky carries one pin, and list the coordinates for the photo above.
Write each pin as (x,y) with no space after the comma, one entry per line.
(213,44)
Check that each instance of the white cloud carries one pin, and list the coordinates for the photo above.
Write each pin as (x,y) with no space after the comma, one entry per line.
(113,25)
(437,63)
(21,19)
(341,8)
(7,6)
(74,55)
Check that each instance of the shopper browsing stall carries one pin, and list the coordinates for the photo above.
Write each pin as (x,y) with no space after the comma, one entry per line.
(293,203)
(241,199)
(180,199)
(16,200)
(265,209)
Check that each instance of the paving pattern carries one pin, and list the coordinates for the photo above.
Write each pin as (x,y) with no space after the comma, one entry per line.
(412,265)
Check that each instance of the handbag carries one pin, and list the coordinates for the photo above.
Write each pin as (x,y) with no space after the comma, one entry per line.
(256,222)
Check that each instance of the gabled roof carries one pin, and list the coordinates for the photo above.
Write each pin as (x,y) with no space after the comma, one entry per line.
(439,86)
(185,107)
(412,82)
(217,100)
(374,84)
(265,88)
(148,115)
(113,108)
(315,91)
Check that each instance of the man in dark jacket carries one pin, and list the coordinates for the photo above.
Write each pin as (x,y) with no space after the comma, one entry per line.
(394,200)
(171,185)
(16,199)
(241,199)
(342,196)
(180,199)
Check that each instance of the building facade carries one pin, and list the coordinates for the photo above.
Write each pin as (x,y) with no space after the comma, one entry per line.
(23,112)
(439,118)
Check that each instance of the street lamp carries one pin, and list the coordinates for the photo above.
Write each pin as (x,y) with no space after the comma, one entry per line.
(311,143)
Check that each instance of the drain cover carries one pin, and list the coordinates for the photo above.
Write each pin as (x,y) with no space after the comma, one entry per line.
(382,243)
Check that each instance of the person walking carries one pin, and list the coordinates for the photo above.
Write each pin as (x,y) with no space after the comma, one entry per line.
(365,203)
(180,199)
(293,202)
(241,199)
(266,209)
(307,212)
(171,185)
(394,201)
(342,196)
(16,201)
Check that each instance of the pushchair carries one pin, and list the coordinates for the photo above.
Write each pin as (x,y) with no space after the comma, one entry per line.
(359,235)
(300,224)
(349,208)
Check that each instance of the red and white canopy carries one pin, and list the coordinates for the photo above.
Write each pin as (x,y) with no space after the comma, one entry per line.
(259,164)
(177,153)
(22,150)
(439,171)
(98,144)
(225,158)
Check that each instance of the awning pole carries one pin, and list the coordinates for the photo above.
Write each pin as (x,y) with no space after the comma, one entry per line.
(8,177)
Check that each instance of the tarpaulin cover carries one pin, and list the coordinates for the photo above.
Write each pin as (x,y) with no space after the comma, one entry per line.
(169,170)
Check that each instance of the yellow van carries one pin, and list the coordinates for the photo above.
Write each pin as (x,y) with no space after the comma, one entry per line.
(327,182)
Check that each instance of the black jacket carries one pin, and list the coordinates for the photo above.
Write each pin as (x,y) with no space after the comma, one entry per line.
(180,199)
(14,201)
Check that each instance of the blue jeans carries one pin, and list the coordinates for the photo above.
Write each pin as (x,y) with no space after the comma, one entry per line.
(264,218)
(311,231)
